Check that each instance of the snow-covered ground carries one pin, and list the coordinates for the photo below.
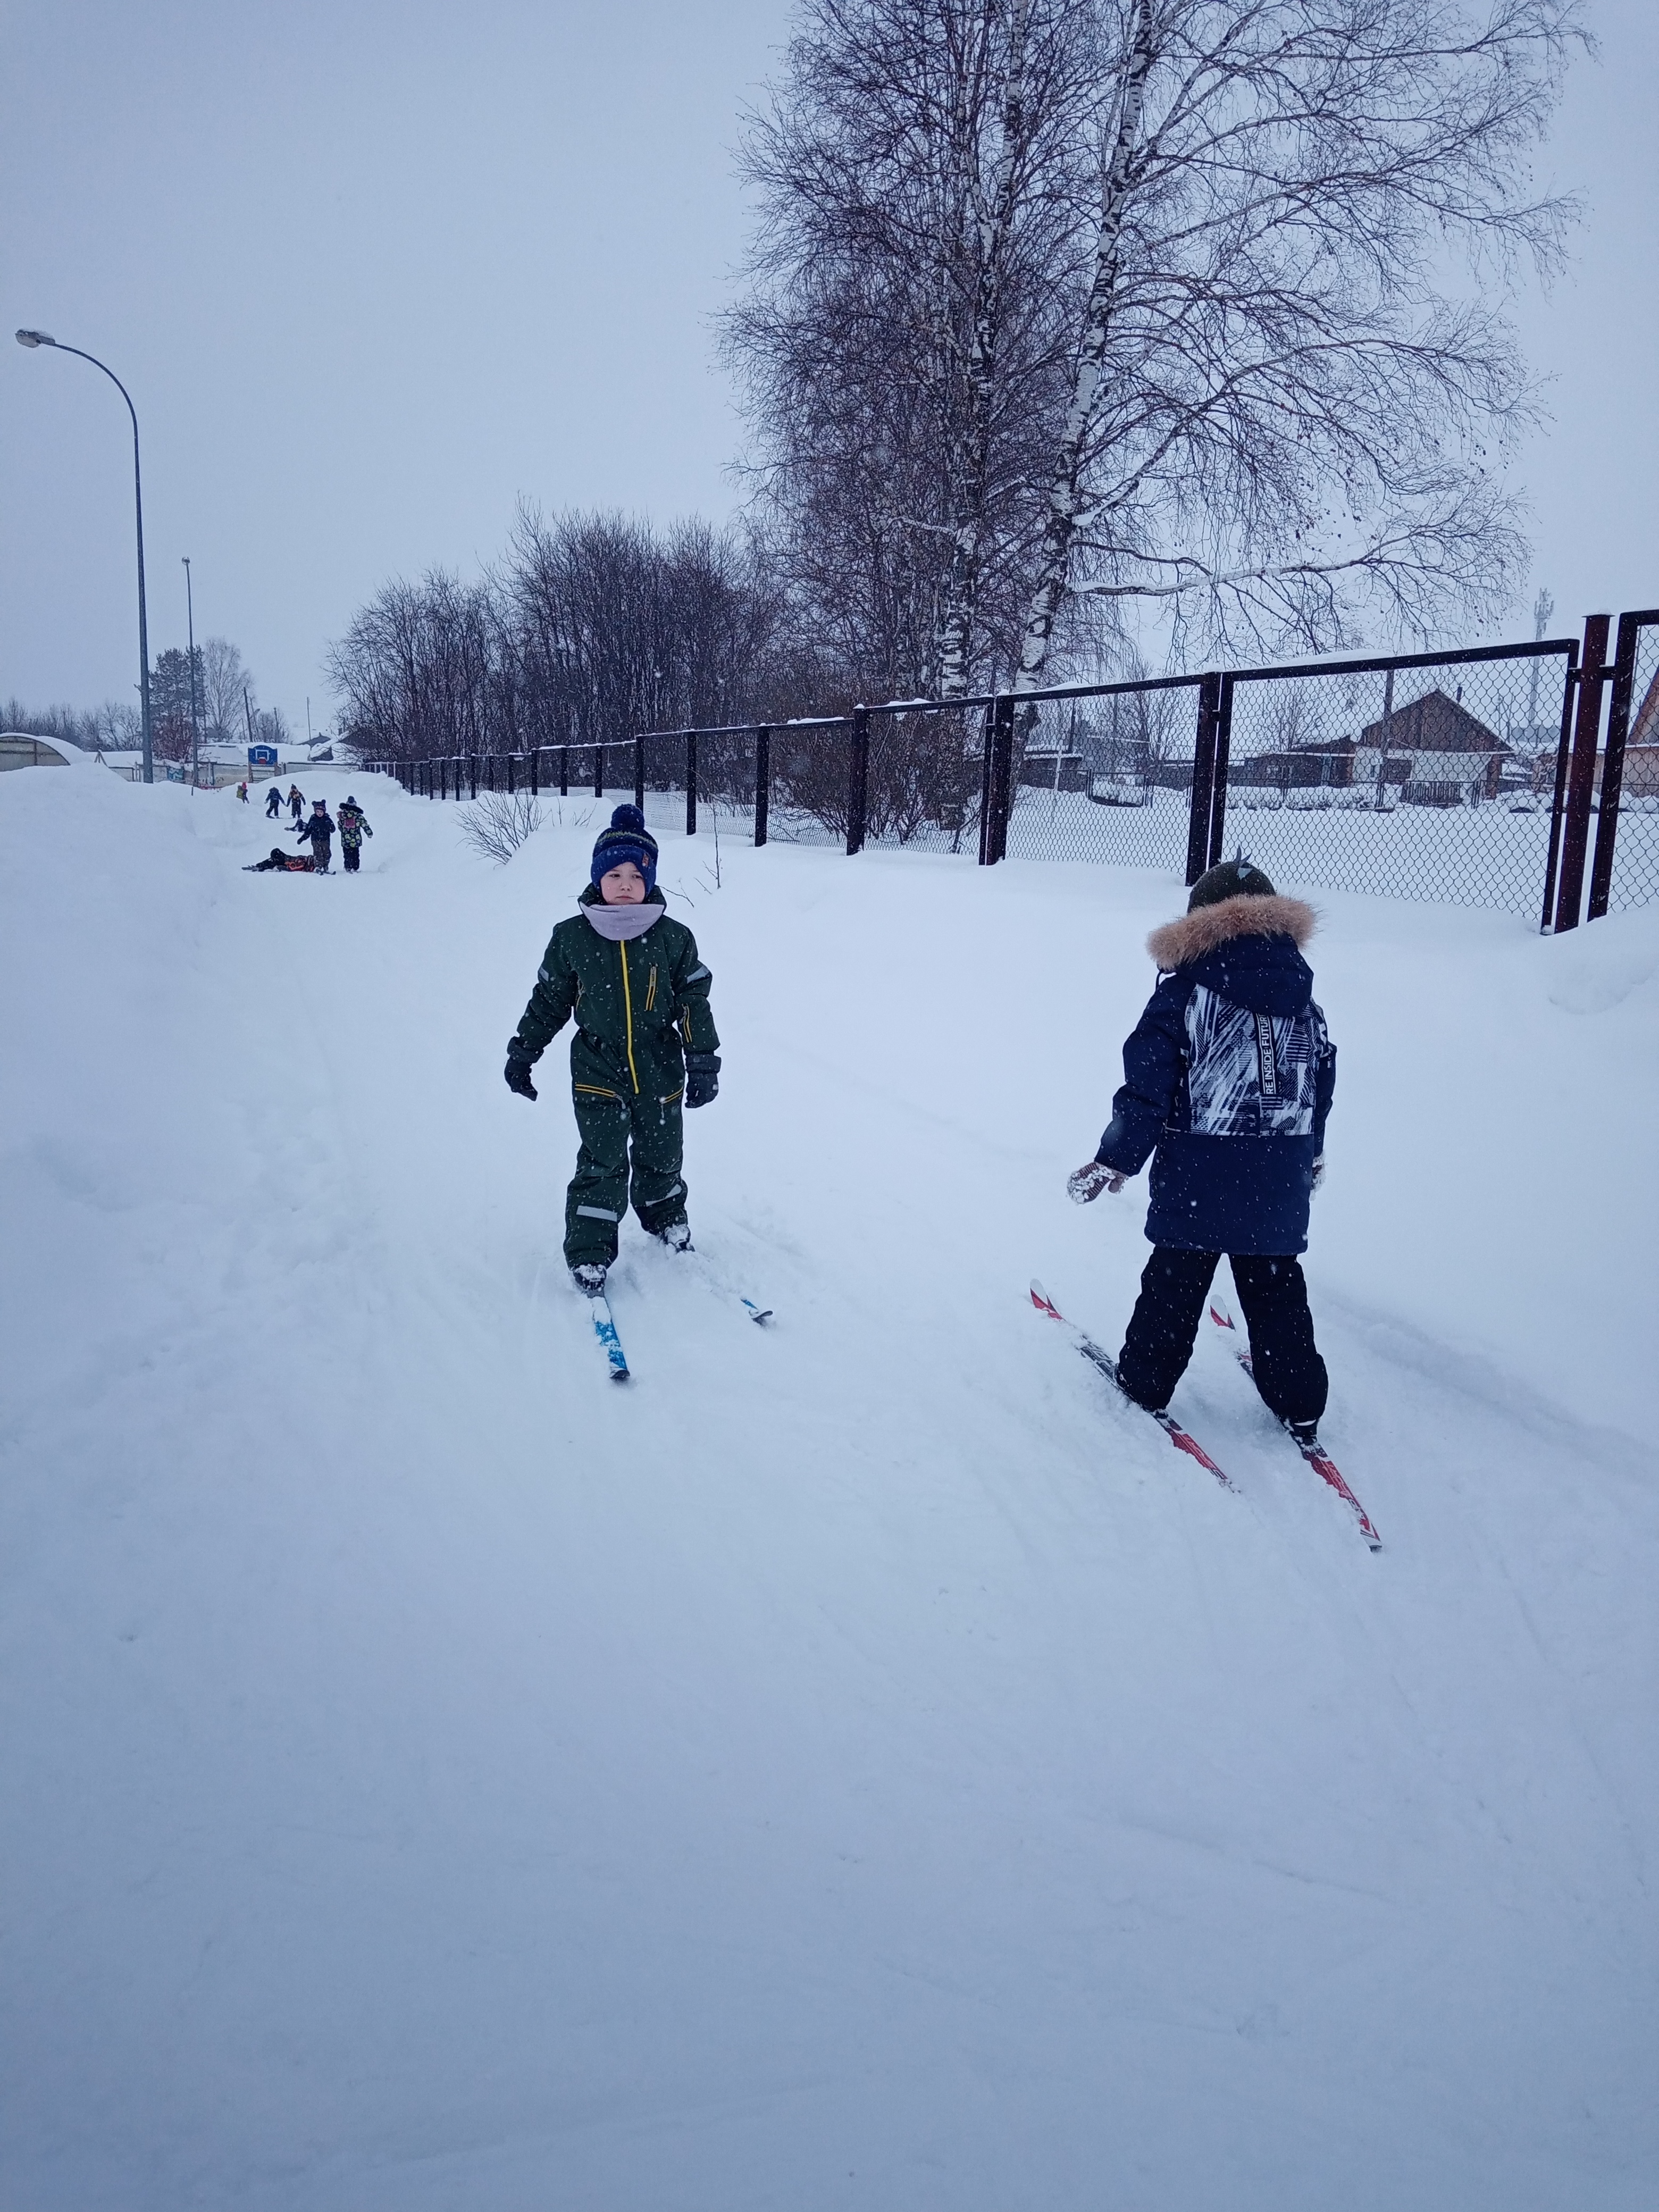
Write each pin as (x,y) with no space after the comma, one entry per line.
(859,1764)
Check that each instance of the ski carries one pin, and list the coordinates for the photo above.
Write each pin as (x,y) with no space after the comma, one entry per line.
(605,1329)
(716,1282)
(1314,1452)
(1182,1439)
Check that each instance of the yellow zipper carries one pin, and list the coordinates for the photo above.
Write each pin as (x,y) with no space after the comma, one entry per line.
(628,1011)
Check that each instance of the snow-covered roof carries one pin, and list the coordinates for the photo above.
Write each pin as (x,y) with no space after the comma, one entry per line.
(27,749)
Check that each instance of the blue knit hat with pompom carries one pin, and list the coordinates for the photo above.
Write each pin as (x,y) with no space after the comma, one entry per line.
(627,839)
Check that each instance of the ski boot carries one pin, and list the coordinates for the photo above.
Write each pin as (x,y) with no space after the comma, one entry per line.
(589,1279)
(676,1236)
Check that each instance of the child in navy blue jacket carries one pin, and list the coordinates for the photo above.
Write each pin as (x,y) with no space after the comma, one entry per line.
(1228,1079)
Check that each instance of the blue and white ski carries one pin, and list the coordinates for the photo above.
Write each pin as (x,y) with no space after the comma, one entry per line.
(605,1329)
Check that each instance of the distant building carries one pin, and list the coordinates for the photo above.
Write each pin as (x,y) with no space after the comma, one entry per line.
(1641,779)
(1055,769)
(22,749)
(1439,753)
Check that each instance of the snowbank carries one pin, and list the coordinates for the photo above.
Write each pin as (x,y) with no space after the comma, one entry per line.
(860,1763)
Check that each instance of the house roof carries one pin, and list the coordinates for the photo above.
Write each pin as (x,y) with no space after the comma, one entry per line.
(1644,730)
(1435,724)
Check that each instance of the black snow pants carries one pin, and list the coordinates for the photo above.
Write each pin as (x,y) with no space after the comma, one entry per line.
(273,805)
(1289,1371)
(350,855)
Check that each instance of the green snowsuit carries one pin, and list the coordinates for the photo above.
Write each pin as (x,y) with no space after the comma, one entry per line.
(641,1006)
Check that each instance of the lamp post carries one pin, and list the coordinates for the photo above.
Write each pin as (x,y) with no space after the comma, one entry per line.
(32,339)
(195,726)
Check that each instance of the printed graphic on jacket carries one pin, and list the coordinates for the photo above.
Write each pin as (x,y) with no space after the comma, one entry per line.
(1250,1074)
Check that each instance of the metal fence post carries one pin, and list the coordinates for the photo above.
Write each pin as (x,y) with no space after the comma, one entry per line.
(858,780)
(762,783)
(1224,734)
(535,771)
(598,771)
(1558,803)
(512,774)
(986,772)
(1004,792)
(1000,781)
(690,783)
(472,779)
(1197,820)
(1581,776)
(639,774)
(1613,767)
(564,771)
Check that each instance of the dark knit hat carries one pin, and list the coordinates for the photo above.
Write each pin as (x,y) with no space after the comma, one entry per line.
(1239,878)
(627,839)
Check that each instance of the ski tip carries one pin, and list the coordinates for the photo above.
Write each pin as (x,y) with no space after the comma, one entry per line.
(620,1375)
(1041,1301)
(1221,1318)
(758,1313)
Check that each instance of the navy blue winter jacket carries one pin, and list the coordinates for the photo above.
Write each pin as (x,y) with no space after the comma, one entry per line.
(1228,1077)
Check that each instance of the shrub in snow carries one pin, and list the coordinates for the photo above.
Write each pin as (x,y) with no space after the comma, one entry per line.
(499,823)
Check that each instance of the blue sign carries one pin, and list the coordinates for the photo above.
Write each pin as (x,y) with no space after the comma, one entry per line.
(262,756)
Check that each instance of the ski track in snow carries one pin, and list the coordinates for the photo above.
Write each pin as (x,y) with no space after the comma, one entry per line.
(859,1763)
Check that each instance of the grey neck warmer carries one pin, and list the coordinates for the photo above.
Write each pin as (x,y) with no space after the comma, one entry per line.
(618,923)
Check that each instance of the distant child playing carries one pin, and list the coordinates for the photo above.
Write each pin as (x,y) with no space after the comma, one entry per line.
(645,1043)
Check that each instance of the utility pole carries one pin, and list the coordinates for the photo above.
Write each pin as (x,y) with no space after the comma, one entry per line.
(195,726)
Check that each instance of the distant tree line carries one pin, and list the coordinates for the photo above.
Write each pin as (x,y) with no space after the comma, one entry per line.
(589,627)
(113,725)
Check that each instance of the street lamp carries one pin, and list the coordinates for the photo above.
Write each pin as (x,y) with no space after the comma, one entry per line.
(32,339)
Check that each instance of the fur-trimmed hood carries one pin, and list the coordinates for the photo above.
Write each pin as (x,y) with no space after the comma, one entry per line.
(1191,935)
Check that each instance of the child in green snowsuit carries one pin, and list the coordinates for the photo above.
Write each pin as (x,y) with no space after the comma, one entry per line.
(645,1043)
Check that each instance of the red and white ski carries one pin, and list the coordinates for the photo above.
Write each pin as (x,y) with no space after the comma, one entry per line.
(1315,1453)
(1182,1439)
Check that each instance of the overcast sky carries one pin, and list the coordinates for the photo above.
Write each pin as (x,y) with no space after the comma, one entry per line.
(372,272)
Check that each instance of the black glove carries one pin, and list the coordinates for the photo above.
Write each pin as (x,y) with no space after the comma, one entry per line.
(702,1078)
(519,1064)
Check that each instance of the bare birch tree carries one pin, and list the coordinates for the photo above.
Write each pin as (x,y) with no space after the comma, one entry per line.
(1293,389)
(223,682)
(905,345)
(1180,305)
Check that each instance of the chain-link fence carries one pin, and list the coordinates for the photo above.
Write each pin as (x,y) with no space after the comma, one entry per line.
(1626,784)
(1473,777)
(1429,780)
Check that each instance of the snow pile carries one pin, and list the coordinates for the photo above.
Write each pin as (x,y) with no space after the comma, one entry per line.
(860,1763)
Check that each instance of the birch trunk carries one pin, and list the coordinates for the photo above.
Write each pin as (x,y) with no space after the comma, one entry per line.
(994,227)
(1121,173)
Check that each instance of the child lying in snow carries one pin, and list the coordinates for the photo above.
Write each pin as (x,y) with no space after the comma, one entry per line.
(295,864)
(1228,1079)
(645,1040)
